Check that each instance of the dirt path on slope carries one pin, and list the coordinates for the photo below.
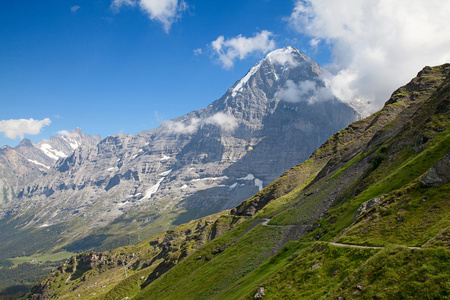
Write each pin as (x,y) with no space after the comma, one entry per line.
(266,221)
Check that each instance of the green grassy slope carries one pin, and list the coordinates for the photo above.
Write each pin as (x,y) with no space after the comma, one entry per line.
(284,238)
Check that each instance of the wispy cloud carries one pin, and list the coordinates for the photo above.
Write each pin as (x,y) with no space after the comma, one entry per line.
(165,12)
(64,132)
(226,122)
(117,4)
(228,50)
(19,127)
(75,8)
(375,40)
(198,51)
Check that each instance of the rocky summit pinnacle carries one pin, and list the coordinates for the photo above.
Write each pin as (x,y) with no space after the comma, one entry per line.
(201,163)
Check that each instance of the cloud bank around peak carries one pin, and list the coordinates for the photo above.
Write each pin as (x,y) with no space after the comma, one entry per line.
(165,12)
(308,91)
(377,45)
(226,122)
(15,128)
(240,47)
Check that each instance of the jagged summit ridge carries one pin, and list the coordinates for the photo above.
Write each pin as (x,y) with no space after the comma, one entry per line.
(63,145)
(27,161)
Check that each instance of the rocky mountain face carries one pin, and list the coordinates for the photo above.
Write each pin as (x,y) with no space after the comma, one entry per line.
(365,217)
(27,161)
(204,162)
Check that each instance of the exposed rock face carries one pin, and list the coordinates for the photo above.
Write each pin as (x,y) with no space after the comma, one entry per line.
(438,174)
(164,251)
(366,206)
(21,165)
(206,161)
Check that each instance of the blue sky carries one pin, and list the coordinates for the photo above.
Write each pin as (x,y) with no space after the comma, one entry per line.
(123,66)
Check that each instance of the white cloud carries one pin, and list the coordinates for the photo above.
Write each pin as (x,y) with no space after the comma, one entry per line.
(166,12)
(18,128)
(224,121)
(117,4)
(377,45)
(183,128)
(240,47)
(163,11)
(307,90)
(314,42)
(282,58)
(198,51)
(64,132)
(74,8)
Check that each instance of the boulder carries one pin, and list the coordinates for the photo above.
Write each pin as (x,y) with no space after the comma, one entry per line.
(438,174)
(260,293)
(366,206)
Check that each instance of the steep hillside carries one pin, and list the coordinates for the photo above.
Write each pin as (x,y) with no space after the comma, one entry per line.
(366,216)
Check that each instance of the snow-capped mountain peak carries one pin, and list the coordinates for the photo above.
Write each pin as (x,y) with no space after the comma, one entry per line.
(288,56)
(276,69)
(63,145)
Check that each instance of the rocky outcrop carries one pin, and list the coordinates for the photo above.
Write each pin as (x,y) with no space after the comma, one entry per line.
(438,174)
(159,254)
(366,206)
(260,293)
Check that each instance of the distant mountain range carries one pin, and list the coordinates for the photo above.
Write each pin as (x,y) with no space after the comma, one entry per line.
(365,217)
(24,163)
(78,193)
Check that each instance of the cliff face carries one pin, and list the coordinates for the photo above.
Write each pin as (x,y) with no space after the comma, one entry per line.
(366,216)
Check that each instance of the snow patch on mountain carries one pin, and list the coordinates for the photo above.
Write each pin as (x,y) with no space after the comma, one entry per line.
(210,178)
(153,189)
(51,152)
(166,173)
(72,143)
(251,177)
(38,163)
(248,177)
(238,87)
(259,183)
